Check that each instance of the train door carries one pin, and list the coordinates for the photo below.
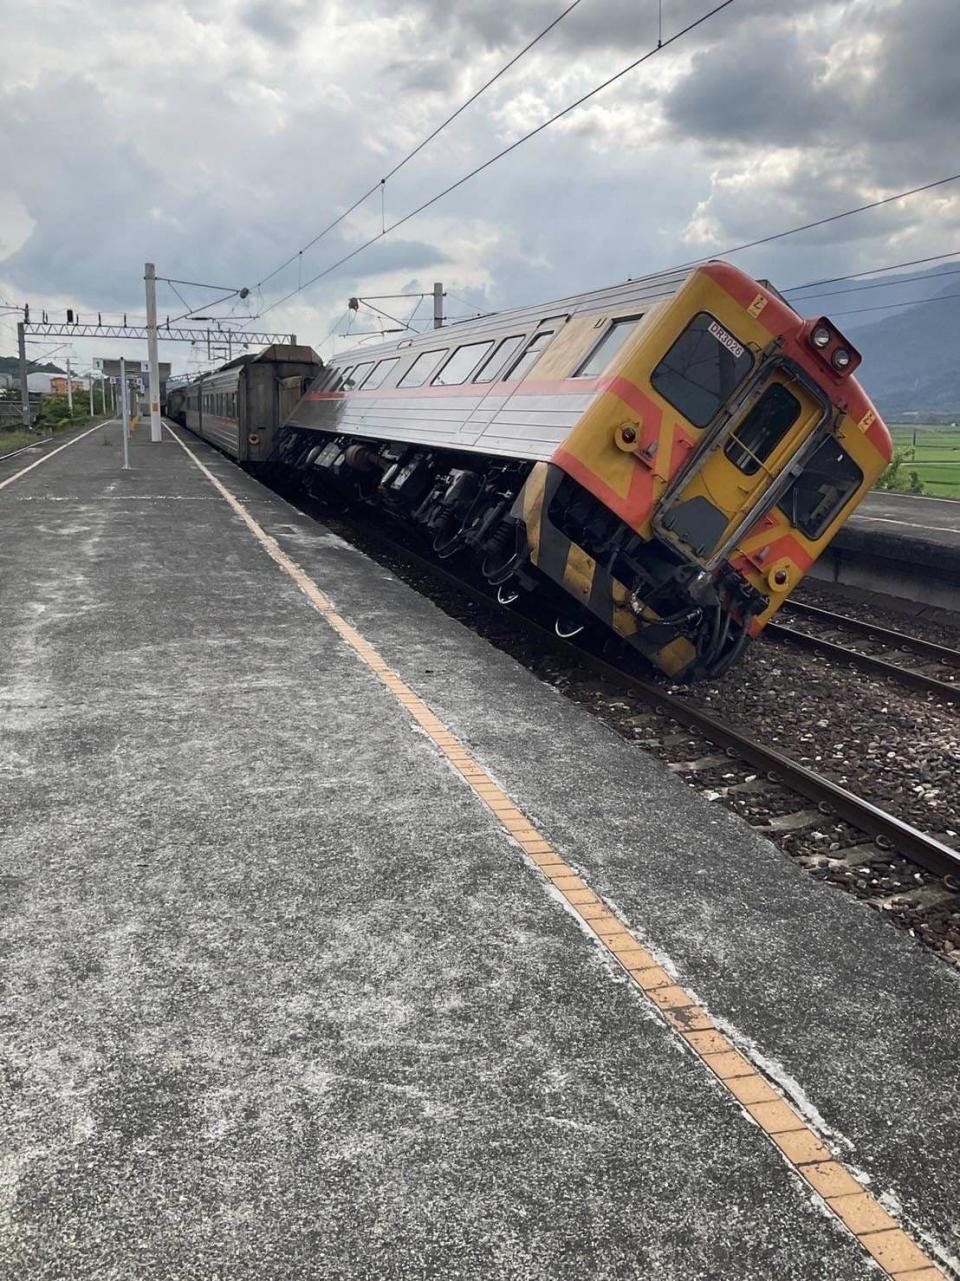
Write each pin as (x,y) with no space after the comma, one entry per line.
(713,497)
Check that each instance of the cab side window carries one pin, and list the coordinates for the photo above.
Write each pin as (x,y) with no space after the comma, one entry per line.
(607,347)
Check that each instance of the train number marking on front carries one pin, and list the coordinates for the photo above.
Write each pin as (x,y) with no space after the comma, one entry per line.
(725,339)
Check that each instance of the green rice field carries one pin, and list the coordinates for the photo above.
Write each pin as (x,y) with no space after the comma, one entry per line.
(936,456)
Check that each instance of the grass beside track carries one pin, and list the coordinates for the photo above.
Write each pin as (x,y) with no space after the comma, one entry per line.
(933,452)
(13,440)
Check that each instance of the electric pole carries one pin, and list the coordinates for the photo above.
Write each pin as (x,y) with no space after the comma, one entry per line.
(69,389)
(437,305)
(24,389)
(153,391)
(91,393)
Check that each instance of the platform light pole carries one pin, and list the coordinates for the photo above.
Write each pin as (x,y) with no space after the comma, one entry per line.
(125,429)
(153,390)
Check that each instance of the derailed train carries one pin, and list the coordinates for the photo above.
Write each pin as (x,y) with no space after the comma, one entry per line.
(668,456)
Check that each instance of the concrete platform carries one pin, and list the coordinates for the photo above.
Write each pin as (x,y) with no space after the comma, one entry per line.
(904,545)
(282,997)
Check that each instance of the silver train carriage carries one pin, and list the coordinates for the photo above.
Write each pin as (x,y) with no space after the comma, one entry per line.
(240,406)
(668,456)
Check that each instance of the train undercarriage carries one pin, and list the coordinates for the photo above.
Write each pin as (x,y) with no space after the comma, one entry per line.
(528,528)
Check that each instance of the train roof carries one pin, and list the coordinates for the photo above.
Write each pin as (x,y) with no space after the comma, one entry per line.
(275,352)
(639,292)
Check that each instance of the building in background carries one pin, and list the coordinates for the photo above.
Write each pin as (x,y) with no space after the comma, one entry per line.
(138,373)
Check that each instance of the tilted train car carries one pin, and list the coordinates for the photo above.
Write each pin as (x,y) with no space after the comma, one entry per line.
(668,456)
(239,407)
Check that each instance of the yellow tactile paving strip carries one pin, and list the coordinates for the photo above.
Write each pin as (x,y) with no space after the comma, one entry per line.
(878,1233)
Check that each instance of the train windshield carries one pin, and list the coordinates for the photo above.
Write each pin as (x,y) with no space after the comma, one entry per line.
(823,488)
(702,369)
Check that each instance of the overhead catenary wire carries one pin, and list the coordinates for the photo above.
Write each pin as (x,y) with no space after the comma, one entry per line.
(820,222)
(505,151)
(381,182)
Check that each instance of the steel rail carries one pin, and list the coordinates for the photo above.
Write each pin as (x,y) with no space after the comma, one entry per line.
(942,653)
(41,440)
(23,448)
(916,846)
(867,662)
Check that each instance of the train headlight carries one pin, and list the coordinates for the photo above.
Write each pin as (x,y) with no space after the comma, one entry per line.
(820,336)
(841,359)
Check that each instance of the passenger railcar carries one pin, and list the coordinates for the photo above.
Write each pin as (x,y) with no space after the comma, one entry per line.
(240,406)
(669,456)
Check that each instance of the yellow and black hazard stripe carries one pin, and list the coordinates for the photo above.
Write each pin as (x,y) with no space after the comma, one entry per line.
(580,576)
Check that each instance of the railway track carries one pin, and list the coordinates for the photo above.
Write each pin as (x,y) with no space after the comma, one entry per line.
(24,448)
(878,840)
(921,665)
(831,799)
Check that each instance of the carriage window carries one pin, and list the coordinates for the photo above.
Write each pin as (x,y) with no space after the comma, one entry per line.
(497,361)
(380,373)
(357,375)
(702,369)
(461,363)
(763,429)
(340,380)
(822,490)
(422,368)
(531,355)
(607,347)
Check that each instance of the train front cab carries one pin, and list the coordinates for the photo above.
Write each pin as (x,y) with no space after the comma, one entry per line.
(727,445)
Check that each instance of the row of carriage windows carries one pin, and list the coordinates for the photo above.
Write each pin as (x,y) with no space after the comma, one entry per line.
(486,361)
(223,404)
(698,375)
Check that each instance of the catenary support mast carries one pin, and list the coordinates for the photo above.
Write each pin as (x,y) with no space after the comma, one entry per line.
(153,391)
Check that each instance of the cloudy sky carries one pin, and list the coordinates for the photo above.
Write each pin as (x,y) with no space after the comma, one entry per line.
(216,137)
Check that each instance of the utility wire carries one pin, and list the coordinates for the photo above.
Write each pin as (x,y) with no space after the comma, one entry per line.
(471,307)
(857,275)
(505,152)
(821,222)
(420,145)
(918,302)
(882,284)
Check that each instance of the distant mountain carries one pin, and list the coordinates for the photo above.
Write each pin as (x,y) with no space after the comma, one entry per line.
(911,356)
(11,365)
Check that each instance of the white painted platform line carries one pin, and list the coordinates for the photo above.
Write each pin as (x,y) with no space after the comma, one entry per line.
(46,458)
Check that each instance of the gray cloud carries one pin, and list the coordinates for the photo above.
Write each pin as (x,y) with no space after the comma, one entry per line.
(785,104)
(217,139)
(279,21)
